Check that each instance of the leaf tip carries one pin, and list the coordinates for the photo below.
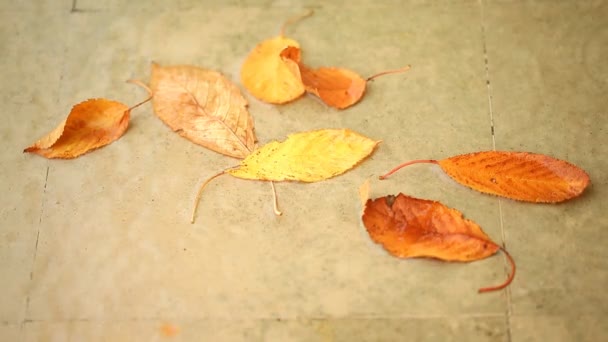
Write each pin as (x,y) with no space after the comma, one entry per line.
(364,191)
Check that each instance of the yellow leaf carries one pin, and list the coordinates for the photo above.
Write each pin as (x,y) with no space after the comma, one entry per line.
(306,157)
(270,77)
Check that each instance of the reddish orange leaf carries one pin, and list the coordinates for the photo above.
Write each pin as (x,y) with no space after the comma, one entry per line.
(521,176)
(337,87)
(409,227)
(91,124)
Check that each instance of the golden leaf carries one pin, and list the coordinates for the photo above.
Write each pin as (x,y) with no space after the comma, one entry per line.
(204,107)
(91,124)
(270,77)
(306,157)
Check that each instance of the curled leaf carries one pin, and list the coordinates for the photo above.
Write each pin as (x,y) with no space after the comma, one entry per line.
(270,77)
(306,157)
(409,227)
(521,176)
(204,107)
(91,124)
(337,87)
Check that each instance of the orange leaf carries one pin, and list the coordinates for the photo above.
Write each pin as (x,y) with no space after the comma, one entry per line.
(337,87)
(91,124)
(410,227)
(204,107)
(521,176)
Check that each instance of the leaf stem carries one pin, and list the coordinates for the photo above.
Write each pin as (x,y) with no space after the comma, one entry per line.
(200,192)
(141,103)
(400,166)
(143,85)
(387,72)
(275,200)
(509,279)
(294,20)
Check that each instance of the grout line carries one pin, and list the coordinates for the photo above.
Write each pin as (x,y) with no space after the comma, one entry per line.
(74,7)
(264,318)
(509,310)
(27,298)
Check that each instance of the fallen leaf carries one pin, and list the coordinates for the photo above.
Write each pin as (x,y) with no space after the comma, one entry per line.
(306,157)
(270,77)
(204,107)
(409,227)
(521,176)
(91,124)
(337,87)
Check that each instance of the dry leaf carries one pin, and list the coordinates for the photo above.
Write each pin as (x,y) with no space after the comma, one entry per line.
(337,87)
(521,176)
(306,157)
(409,227)
(91,124)
(203,106)
(270,77)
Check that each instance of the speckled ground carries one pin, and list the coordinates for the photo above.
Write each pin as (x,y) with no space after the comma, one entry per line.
(100,248)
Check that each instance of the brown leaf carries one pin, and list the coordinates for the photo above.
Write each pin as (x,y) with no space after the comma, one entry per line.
(521,176)
(412,227)
(91,124)
(204,107)
(409,227)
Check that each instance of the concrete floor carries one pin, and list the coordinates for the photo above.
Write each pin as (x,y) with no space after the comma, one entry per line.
(100,248)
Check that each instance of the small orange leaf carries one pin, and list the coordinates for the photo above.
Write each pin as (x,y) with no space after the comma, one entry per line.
(204,107)
(91,124)
(337,87)
(409,227)
(521,176)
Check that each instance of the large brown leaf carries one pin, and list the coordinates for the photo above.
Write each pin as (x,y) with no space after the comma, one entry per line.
(521,176)
(410,227)
(91,124)
(203,106)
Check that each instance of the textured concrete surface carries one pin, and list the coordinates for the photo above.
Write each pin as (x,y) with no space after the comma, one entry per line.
(100,248)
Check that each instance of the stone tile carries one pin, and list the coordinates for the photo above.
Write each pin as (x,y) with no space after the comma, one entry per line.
(114,213)
(143,330)
(557,108)
(559,328)
(29,101)
(380,329)
(39,6)
(10,332)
